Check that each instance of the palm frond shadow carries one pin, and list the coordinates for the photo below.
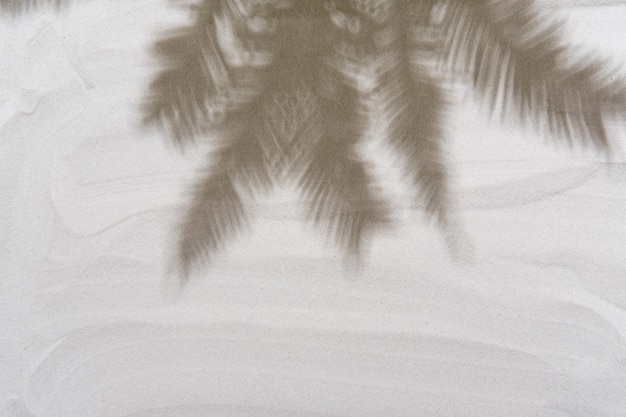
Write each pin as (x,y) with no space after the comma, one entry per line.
(323,60)
(283,86)
(17,7)
(521,66)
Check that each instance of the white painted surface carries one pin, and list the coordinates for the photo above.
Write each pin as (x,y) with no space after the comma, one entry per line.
(533,326)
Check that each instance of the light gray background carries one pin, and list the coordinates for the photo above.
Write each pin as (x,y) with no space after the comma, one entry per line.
(532,324)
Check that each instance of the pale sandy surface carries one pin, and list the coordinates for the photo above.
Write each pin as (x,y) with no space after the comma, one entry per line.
(529,323)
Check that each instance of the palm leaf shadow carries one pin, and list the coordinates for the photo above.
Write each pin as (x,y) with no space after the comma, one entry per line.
(320,147)
(521,66)
(512,55)
(216,211)
(334,178)
(189,93)
(221,76)
(17,7)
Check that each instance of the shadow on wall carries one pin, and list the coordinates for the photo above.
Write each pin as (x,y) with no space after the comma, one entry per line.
(291,89)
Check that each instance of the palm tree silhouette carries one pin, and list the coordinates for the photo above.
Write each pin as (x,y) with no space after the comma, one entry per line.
(289,87)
